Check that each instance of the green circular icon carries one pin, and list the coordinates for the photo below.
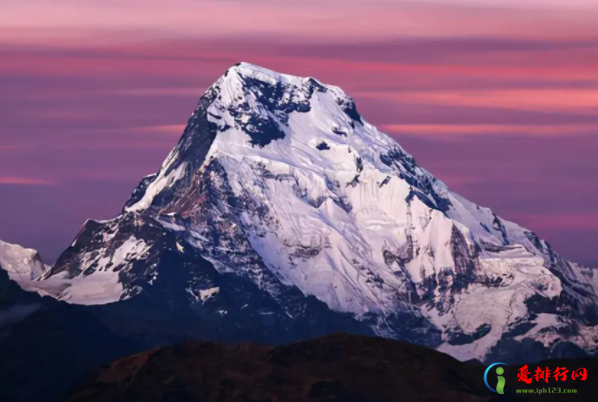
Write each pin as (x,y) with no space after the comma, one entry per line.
(500,370)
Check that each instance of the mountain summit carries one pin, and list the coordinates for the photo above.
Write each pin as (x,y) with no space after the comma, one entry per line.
(282,214)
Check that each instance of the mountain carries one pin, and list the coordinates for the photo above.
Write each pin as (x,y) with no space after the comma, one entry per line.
(335,368)
(281,214)
(21,264)
(325,369)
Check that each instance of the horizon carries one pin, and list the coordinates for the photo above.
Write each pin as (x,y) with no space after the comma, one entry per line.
(501,109)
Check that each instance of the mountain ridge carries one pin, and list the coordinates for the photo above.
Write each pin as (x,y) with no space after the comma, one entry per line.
(329,368)
(279,182)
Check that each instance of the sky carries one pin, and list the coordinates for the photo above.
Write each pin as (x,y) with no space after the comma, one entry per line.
(497,98)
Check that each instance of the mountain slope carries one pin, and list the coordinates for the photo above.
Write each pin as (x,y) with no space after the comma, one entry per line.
(325,369)
(279,183)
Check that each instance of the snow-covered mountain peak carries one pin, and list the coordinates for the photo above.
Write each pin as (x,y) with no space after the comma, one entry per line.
(21,264)
(244,70)
(241,76)
(278,180)
(260,101)
(255,113)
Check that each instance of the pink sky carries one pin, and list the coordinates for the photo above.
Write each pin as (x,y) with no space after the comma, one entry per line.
(500,101)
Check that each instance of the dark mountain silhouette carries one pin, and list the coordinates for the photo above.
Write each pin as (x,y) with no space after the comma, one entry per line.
(334,368)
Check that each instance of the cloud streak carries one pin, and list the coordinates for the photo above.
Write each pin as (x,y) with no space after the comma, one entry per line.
(587,222)
(579,101)
(65,20)
(566,130)
(24,181)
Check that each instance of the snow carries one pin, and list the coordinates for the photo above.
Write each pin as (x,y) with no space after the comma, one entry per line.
(380,219)
(498,306)
(343,243)
(332,253)
(130,250)
(202,294)
(207,293)
(161,182)
(20,263)
(103,285)
(98,288)
(358,259)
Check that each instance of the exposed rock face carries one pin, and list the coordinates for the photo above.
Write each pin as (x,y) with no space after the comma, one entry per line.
(282,214)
